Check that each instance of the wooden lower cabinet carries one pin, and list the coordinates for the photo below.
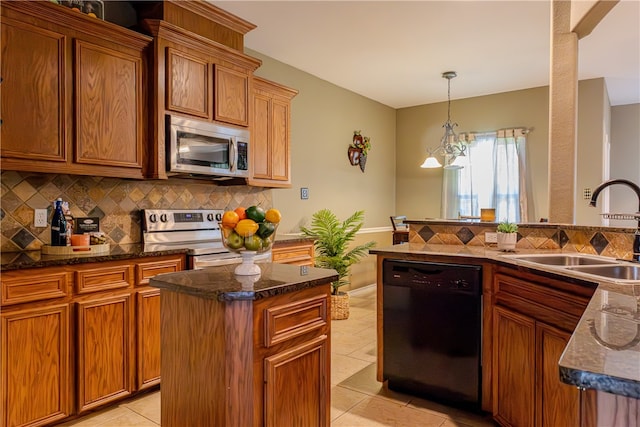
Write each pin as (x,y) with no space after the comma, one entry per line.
(292,359)
(304,403)
(514,368)
(78,337)
(36,384)
(105,338)
(148,338)
(527,391)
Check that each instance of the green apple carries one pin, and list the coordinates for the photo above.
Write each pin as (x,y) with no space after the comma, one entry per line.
(253,243)
(235,241)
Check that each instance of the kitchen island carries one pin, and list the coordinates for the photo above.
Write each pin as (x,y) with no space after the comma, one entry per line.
(245,350)
(553,313)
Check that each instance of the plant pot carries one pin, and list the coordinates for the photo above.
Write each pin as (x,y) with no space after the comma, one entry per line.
(507,241)
(340,306)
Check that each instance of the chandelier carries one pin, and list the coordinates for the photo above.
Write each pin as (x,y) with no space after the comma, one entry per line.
(450,146)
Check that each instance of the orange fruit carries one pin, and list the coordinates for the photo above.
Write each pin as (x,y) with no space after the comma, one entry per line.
(242,212)
(230,219)
(246,227)
(273,215)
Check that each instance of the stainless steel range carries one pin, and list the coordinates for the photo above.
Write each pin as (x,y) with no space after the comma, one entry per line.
(196,230)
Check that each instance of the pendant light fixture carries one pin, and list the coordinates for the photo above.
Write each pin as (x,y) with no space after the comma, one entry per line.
(450,147)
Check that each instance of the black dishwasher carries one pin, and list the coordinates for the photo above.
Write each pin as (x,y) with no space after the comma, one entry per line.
(432,330)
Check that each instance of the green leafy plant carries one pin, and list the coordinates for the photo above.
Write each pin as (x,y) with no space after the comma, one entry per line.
(332,239)
(507,227)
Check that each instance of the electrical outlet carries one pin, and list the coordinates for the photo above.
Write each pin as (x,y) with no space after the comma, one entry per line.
(40,218)
(586,193)
(304,193)
(490,237)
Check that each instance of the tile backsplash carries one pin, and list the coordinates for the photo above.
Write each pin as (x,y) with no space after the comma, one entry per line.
(117,202)
(607,241)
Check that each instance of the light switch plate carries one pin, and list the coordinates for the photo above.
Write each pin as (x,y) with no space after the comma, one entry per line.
(490,237)
(40,218)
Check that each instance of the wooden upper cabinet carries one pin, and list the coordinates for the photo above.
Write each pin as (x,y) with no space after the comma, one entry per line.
(231,96)
(109,105)
(33,92)
(187,84)
(270,134)
(197,78)
(73,96)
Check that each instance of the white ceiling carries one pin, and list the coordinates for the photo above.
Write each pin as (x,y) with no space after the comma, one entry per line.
(394,52)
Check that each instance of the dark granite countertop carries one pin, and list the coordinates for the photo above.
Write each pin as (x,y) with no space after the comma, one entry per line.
(222,284)
(35,259)
(604,350)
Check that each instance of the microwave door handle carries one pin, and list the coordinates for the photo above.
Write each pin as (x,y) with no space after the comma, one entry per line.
(232,156)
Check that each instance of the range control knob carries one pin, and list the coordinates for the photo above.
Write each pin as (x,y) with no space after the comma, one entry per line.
(209,217)
(218,216)
(153,218)
(163,218)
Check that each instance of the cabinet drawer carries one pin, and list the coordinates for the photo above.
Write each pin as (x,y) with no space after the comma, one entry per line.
(298,254)
(146,270)
(286,321)
(26,286)
(103,278)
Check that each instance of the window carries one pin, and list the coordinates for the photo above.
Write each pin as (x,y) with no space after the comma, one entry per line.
(493,176)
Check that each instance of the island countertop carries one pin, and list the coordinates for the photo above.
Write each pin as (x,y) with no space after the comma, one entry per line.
(222,284)
(604,350)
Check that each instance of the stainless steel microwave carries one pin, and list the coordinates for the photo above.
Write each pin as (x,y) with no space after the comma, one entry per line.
(204,148)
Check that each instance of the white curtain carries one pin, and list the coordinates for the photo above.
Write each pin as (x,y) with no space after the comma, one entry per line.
(494,175)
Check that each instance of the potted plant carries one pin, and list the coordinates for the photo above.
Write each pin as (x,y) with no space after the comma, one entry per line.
(507,236)
(332,239)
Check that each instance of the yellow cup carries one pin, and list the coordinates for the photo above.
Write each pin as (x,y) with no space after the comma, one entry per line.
(487,214)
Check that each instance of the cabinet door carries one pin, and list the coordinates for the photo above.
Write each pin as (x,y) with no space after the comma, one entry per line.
(296,385)
(104,350)
(33,93)
(557,403)
(280,140)
(148,345)
(108,107)
(260,140)
(514,368)
(231,96)
(187,84)
(36,387)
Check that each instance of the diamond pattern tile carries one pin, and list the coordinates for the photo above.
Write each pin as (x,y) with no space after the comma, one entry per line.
(23,238)
(465,235)
(426,233)
(599,242)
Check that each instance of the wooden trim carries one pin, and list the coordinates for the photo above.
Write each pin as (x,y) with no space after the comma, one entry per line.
(593,17)
(215,14)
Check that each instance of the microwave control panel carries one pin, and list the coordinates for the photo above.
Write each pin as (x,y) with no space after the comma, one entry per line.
(243,156)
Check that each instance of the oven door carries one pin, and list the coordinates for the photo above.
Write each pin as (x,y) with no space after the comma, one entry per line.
(202,261)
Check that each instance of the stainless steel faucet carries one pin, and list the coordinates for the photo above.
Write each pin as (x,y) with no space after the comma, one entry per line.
(634,186)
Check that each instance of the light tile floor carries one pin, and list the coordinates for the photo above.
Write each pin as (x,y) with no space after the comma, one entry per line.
(357,399)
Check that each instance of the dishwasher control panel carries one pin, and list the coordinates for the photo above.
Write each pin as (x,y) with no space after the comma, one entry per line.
(430,275)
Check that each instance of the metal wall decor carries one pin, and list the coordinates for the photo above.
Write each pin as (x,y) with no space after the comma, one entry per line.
(358,150)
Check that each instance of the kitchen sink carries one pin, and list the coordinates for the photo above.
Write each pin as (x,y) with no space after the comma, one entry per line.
(623,272)
(564,260)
